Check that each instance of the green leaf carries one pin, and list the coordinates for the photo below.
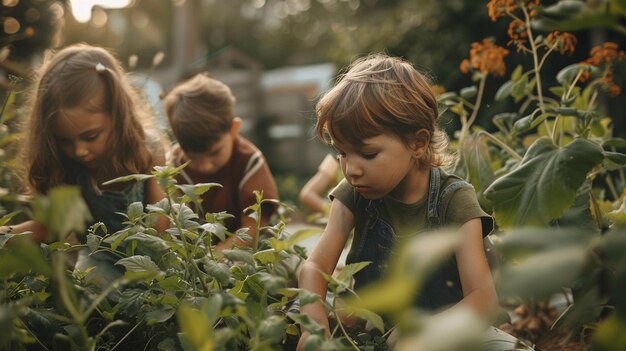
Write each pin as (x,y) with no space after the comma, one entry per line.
(306,297)
(543,274)
(616,157)
(564,8)
(93,242)
(474,155)
(266,256)
(7,218)
(218,271)
(196,328)
(517,73)
(284,244)
(614,142)
(369,316)
(544,184)
(21,251)
(239,255)
(271,329)
(138,264)
(135,211)
(171,283)
(349,270)
(408,269)
(468,92)
(518,89)
(609,335)
(62,211)
(504,91)
(128,178)
(194,191)
(457,328)
(307,323)
(521,243)
(579,215)
(160,314)
(568,73)
(523,124)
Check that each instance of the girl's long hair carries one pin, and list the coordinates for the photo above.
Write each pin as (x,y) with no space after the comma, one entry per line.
(75,77)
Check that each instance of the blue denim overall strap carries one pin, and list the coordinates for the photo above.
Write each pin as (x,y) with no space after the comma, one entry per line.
(438,197)
(377,241)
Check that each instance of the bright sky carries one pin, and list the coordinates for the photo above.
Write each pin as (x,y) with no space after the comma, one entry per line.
(81,9)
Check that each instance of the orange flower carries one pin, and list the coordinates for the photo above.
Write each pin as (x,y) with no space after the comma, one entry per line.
(566,42)
(485,57)
(499,8)
(438,89)
(517,33)
(604,55)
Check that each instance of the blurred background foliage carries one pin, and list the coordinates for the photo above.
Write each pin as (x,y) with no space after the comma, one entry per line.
(434,35)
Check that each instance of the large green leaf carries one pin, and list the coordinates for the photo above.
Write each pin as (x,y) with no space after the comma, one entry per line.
(579,215)
(138,264)
(544,184)
(409,267)
(474,155)
(542,274)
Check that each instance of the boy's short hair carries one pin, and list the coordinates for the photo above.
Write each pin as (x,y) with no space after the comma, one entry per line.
(382,94)
(200,110)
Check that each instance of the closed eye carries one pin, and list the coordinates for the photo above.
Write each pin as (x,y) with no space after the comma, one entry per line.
(90,137)
(369,156)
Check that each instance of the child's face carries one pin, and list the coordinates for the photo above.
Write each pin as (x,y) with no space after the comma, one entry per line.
(216,157)
(378,168)
(83,135)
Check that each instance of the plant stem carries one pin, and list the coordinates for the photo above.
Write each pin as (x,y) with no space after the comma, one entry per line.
(533,47)
(479,97)
(127,335)
(498,142)
(343,330)
(611,186)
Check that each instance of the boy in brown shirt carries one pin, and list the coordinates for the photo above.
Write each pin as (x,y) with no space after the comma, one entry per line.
(201,114)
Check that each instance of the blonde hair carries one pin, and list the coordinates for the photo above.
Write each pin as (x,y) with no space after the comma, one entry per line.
(200,110)
(72,78)
(381,94)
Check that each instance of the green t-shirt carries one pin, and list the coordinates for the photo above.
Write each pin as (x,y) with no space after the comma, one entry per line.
(409,219)
(443,287)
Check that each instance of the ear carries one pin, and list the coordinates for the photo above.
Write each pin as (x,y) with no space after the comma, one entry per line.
(235,126)
(420,142)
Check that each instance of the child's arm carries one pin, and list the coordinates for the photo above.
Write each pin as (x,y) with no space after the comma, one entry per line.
(478,288)
(311,193)
(324,259)
(40,232)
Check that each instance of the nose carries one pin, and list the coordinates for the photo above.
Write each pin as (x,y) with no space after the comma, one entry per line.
(352,169)
(80,150)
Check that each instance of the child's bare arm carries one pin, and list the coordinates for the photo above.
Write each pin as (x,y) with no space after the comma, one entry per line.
(312,193)
(40,232)
(478,288)
(324,259)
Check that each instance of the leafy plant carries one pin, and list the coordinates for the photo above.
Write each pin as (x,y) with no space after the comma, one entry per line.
(551,166)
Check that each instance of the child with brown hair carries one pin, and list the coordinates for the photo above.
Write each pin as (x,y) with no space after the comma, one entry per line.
(381,118)
(85,128)
(201,115)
